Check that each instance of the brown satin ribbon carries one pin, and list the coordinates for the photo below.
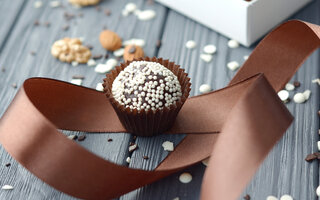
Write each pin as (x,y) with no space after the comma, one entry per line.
(247,114)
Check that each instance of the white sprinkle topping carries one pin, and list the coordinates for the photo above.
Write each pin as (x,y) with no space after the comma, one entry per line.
(168,146)
(130,7)
(233,44)
(210,49)
(299,98)
(55,4)
(146,85)
(289,87)
(206,57)
(306,94)
(145,15)
(272,198)
(137,42)
(233,65)
(283,95)
(76,81)
(37,4)
(205,161)
(7,187)
(191,44)
(185,177)
(119,52)
(103,68)
(245,57)
(128,159)
(91,62)
(204,88)
(99,87)
(74,63)
(286,197)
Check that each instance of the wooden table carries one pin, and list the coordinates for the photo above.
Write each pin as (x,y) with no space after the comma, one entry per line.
(283,172)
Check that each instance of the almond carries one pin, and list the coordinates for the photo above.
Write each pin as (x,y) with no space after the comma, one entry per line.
(132,52)
(110,40)
(84,2)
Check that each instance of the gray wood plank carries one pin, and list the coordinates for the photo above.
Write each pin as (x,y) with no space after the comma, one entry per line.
(20,64)
(284,171)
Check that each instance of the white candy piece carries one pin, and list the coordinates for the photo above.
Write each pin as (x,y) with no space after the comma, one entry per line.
(99,87)
(245,57)
(209,49)
(286,197)
(130,7)
(74,63)
(76,81)
(206,57)
(306,94)
(316,81)
(128,160)
(119,52)
(138,42)
(91,62)
(283,95)
(299,98)
(7,187)
(55,4)
(205,162)
(233,44)
(103,68)
(168,146)
(272,198)
(204,88)
(37,4)
(233,65)
(318,191)
(112,62)
(125,13)
(289,87)
(146,15)
(191,44)
(185,177)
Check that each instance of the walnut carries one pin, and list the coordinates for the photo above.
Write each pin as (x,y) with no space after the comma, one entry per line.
(132,52)
(110,40)
(84,2)
(70,49)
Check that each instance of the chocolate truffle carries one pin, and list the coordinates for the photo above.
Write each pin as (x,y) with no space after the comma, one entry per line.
(145,85)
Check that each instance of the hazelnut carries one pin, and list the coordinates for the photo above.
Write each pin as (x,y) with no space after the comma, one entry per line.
(110,40)
(132,52)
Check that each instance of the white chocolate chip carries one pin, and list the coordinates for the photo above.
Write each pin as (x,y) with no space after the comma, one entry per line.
(37,4)
(168,146)
(103,68)
(191,44)
(205,162)
(7,187)
(76,81)
(245,57)
(119,52)
(233,65)
(185,177)
(134,41)
(55,4)
(210,49)
(128,159)
(306,94)
(112,62)
(74,63)
(299,98)
(99,87)
(233,44)
(283,95)
(130,7)
(146,15)
(91,62)
(271,198)
(204,88)
(206,57)
(289,87)
(286,197)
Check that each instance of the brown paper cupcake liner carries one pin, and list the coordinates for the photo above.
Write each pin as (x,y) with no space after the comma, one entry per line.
(148,123)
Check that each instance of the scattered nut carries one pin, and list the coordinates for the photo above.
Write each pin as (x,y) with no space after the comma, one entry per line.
(110,40)
(84,2)
(132,52)
(69,50)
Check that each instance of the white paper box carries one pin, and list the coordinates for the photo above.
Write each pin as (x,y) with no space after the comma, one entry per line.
(243,21)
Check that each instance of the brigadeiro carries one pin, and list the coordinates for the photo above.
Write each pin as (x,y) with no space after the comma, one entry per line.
(147,94)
